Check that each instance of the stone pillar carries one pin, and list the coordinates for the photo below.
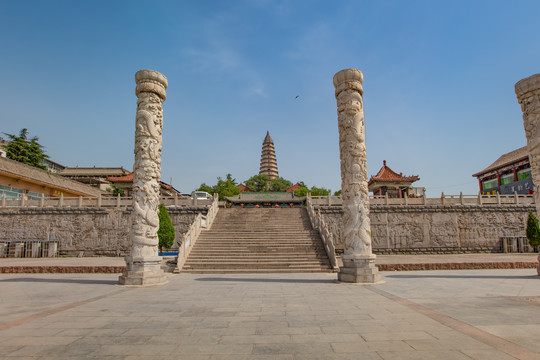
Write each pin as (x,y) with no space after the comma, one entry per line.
(358,259)
(528,95)
(143,265)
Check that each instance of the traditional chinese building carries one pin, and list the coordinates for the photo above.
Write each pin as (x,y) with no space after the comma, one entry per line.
(510,173)
(268,158)
(125,183)
(395,185)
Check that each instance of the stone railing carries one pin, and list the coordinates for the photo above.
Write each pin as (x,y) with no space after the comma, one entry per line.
(460,199)
(100,201)
(318,223)
(190,237)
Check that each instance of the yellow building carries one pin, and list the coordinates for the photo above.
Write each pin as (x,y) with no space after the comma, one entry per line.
(18,180)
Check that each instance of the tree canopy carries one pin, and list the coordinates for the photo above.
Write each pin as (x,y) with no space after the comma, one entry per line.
(315,191)
(258,183)
(280,184)
(223,188)
(26,150)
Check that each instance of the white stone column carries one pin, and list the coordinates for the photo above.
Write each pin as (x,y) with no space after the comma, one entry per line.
(143,265)
(528,95)
(358,259)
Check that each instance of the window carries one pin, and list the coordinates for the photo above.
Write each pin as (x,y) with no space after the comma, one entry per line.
(507,179)
(489,184)
(523,174)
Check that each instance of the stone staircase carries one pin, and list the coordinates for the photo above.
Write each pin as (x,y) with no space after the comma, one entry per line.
(264,240)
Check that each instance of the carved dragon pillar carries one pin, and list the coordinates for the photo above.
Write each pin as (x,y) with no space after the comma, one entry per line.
(143,265)
(528,95)
(358,259)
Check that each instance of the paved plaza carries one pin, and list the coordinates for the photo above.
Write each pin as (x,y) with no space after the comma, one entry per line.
(465,314)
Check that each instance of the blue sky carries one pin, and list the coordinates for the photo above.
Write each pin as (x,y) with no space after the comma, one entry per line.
(438,83)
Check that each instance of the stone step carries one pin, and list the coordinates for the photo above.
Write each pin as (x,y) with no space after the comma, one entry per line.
(258,240)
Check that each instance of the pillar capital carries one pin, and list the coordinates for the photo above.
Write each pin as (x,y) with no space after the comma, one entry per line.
(528,87)
(348,79)
(151,81)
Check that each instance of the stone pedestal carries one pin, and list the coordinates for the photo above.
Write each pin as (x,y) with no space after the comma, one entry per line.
(358,259)
(143,265)
(143,271)
(359,269)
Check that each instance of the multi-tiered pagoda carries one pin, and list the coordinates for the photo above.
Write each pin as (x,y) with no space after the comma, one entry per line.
(268,158)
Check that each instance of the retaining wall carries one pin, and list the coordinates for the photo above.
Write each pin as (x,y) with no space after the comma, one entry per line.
(436,228)
(93,231)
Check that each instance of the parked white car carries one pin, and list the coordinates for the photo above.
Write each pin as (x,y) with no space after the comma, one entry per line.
(201,195)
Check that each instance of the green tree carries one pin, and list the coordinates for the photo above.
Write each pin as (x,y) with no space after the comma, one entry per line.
(258,183)
(301,191)
(315,191)
(206,188)
(226,187)
(280,184)
(26,150)
(166,229)
(337,193)
(533,230)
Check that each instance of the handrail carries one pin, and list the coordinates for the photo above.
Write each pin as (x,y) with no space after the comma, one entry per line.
(318,223)
(446,200)
(189,239)
(91,202)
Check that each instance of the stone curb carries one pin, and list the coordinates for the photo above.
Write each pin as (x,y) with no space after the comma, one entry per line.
(382,267)
(61,269)
(458,266)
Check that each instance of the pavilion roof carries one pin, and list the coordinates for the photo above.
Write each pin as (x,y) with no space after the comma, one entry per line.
(386,174)
(505,160)
(94,171)
(129,179)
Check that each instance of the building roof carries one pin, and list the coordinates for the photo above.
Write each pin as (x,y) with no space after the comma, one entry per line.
(243,187)
(129,179)
(506,160)
(93,171)
(386,174)
(18,170)
(294,187)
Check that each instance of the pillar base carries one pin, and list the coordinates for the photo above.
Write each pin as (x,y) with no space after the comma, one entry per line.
(143,271)
(359,269)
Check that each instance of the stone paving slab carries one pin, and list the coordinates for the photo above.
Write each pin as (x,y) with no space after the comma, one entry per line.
(466,314)
(116,265)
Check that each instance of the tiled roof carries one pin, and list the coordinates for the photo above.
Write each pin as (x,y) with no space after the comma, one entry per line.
(129,179)
(506,160)
(18,170)
(125,178)
(388,175)
(243,187)
(93,171)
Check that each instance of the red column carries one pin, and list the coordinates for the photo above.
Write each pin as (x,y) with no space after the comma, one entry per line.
(515,174)
(380,191)
(480,184)
(498,179)
(399,193)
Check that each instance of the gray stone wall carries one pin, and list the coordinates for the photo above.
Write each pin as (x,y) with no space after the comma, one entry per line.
(436,228)
(94,231)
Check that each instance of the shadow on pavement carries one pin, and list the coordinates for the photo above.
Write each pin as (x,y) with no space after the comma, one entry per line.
(472,276)
(62,281)
(293,281)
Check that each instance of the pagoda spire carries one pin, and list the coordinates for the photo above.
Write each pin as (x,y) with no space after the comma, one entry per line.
(268,158)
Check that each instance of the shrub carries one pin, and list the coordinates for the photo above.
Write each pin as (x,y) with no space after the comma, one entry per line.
(166,230)
(533,230)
